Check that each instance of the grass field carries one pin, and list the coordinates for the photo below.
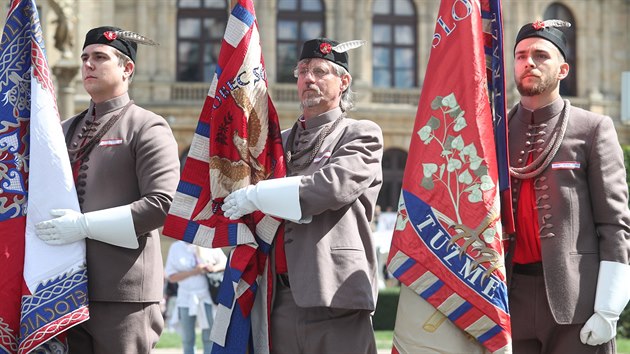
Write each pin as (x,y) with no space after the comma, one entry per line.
(623,345)
(170,339)
(383,341)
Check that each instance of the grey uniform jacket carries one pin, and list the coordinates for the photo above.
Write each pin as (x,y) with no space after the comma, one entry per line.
(332,260)
(136,162)
(582,203)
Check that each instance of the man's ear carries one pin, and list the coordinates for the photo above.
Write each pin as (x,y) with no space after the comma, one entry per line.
(345,82)
(129,68)
(564,70)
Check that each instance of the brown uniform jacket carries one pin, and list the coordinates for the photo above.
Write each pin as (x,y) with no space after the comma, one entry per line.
(136,162)
(582,203)
(332,259)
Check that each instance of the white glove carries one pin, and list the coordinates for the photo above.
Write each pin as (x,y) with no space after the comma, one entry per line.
(237,203)
(69,226)
(113,226)
(278,197)
(611,297)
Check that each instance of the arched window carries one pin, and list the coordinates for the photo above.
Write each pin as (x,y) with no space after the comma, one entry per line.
(200,28)
(568,86)
(298,21)
(394,44)
(394,161)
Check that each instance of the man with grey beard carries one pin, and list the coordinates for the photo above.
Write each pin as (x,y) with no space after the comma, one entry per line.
(568,260)
(325,288)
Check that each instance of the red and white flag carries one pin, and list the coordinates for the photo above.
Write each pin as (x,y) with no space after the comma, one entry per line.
(447,244)
(43,289)
(237,142)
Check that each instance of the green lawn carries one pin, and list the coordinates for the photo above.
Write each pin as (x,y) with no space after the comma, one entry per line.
(383,341)
(172,340)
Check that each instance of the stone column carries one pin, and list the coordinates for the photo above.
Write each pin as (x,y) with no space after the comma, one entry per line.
(144,67)
(592,48)
(163,32)
(67,67)
(65,71)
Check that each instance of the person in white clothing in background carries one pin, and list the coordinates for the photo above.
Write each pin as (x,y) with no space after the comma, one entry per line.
(187,265)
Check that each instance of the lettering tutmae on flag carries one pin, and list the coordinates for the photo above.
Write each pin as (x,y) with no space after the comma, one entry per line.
(447,241)
(237,142)
(43,289)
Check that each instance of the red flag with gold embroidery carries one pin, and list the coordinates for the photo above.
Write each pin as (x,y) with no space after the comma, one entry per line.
(447,243)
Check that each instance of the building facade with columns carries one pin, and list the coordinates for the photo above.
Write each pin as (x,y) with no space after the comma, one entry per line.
(388,72)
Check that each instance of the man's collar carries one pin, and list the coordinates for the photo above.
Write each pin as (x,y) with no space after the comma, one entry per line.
(110,105)
(322,119)
(541,114)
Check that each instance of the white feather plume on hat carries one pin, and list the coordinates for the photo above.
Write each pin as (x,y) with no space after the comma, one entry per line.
(134,37)
(345,46)
(556,23)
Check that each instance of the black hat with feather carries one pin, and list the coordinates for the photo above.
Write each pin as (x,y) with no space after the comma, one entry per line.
(125,41)
(549,30)
(329,49)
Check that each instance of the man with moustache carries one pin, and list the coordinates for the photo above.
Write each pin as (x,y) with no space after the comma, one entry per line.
(568,261)
(326,285)
(126,168)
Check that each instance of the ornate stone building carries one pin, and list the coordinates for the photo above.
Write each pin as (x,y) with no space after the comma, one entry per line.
(173,79)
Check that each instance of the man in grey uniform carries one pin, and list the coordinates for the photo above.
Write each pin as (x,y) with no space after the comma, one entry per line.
(324,298)
(126,168)
(568,266)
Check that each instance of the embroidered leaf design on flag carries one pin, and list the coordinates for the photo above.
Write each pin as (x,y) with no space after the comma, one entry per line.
(429,169)
(453,164)
(465,178)
(427,183)
(475,196)
(486,183)
(460,123)
(475,162)
(425,134)
(488,234)
(450,101)
(458,143)
(434,123)
(461,170)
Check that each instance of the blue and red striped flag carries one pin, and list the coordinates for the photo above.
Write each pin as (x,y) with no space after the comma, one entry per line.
(43,289)
(447,245)
(237,142)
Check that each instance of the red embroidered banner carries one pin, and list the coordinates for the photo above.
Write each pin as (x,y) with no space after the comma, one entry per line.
(447,242)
